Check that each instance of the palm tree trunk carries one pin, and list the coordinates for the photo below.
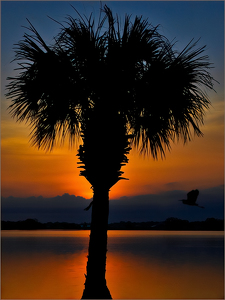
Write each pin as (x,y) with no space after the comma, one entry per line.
(95,284)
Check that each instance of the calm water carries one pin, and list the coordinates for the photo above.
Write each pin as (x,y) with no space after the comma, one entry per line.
(140,265)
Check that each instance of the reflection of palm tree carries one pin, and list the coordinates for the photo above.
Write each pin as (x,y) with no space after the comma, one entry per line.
(191,198)
(113,87)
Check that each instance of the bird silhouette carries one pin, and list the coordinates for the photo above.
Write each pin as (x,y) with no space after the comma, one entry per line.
(191,198)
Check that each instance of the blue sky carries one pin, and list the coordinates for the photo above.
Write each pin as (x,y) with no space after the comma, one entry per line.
(179,20)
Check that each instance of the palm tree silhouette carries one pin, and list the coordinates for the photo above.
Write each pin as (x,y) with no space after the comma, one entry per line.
(112,87)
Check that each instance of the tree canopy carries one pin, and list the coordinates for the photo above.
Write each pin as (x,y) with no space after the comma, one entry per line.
(123,73)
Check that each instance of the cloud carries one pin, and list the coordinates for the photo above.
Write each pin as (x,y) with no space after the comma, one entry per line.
(172,184)
(158,207)
(65,208)
(151,207)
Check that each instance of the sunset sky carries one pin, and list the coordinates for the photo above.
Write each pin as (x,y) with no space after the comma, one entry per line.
(27,172)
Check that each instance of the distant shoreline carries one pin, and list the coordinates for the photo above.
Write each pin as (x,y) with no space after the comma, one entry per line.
(210,224)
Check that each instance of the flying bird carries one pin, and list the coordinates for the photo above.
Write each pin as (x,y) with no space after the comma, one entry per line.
(191,198)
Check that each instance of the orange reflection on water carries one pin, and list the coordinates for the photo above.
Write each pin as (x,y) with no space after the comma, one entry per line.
(48,277)
(52,274)
(43,275)
(129,278)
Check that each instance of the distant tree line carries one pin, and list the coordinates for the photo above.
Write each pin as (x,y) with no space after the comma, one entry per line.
(168,224)
(32,224)
(171,224)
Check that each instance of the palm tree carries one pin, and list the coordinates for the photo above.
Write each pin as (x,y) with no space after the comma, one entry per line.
(112,87)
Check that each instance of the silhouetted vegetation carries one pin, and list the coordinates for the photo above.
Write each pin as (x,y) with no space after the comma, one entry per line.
(110,85)
(169,224)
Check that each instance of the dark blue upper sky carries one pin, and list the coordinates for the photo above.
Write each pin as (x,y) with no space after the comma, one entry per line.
(179,20)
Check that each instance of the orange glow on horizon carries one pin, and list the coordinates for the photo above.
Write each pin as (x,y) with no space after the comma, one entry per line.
(27,171)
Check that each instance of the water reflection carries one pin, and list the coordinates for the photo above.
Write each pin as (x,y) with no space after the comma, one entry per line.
(140,264)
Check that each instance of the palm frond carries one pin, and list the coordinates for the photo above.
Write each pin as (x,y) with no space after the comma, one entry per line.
(126,70)
(171,96)
(43,94)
